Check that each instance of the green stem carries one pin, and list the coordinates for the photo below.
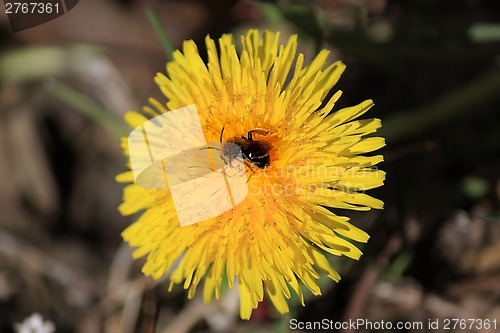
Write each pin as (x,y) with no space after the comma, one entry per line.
(87,107)
(165,41)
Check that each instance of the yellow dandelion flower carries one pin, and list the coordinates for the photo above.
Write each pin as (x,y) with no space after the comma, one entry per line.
(276,238)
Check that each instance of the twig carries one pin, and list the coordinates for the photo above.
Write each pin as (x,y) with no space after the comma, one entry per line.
(356,306)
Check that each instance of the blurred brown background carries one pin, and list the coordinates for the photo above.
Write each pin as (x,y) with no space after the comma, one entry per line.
(433,70)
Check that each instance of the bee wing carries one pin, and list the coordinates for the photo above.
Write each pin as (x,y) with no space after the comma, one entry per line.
(205,188)
(206,197)
(170,151)
(163,137)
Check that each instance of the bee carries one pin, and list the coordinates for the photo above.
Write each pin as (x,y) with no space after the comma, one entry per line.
(255,153)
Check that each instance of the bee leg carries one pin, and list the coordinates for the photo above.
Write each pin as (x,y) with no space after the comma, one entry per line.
(260,131)
(249,177)
(253,168)
(221,132)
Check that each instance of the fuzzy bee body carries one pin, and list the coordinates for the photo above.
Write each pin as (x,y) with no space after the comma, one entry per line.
(254,152)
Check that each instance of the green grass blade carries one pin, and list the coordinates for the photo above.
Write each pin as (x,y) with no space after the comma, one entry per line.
(165,41)
(88,107)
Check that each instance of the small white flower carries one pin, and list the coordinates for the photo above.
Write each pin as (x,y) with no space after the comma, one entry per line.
(35,324)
